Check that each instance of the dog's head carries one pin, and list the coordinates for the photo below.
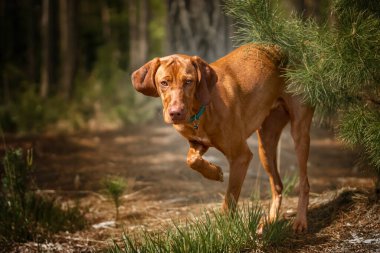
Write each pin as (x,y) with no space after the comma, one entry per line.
(183,83)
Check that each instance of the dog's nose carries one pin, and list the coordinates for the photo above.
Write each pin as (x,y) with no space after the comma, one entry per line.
(176,113)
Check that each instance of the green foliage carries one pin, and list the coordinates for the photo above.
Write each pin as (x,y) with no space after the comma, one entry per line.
(107,96)
(101,95)
(115,187)
(25,215)
(156,28)
(334,67)
(289,182)
(31,113)
(114,92)
(361,126)
(108,93)
(214,232)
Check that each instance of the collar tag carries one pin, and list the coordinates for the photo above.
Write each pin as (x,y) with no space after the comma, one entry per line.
(195,118)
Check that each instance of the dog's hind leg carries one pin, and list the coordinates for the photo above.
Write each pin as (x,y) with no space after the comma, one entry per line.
(268,136)
(196,162)
(301,117)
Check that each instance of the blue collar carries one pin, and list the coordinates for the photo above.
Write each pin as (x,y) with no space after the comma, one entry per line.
(198,115)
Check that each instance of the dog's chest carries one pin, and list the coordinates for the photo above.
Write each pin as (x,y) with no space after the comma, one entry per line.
(192,134)
(202,140)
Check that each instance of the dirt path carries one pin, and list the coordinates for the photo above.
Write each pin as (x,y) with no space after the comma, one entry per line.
(160,185)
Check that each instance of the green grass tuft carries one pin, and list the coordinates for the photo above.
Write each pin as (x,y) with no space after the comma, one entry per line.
(212,232)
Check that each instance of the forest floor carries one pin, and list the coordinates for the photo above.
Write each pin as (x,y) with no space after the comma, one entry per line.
(343,215)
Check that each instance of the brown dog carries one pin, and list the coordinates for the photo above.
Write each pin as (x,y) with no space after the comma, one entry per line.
(220,105)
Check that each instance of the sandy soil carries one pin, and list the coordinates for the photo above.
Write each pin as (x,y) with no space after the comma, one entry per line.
(161,187)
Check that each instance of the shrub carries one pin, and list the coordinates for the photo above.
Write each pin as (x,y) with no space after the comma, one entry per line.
(26,215)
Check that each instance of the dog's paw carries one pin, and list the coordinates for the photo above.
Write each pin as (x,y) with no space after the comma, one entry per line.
(212,172)
(300,225)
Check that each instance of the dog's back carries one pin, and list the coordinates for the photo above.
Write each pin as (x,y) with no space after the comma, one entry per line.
(250,81)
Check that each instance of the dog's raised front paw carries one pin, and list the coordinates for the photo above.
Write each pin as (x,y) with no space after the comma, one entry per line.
(220,174)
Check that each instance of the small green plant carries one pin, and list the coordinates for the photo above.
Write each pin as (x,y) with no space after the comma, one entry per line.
(115,187)
(289,182)
(26,215)
(213,232)
(256,192)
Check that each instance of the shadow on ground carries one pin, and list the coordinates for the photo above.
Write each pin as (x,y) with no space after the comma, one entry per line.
(346,220)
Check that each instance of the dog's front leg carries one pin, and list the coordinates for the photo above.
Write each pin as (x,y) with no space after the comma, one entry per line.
(196,162)
(239,160)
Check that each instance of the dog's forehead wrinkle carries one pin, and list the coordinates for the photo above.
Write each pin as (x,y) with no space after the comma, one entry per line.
(175,58)
(176,65)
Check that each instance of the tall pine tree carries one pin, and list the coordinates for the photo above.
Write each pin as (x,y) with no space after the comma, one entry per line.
(335,66)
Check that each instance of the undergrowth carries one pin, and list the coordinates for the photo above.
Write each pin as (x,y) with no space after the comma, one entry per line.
(26,215)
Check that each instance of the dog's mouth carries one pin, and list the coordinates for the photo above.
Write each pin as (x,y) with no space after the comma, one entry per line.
(179,121)
(176,121)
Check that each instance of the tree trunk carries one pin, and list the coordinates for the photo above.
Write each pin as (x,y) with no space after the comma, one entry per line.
(313,9)
(298,5)
(308,8)
(138,27)
(67,14)
(133,34)
(198,27)
(5,97)
(31,42)
(105,13)
(45,49)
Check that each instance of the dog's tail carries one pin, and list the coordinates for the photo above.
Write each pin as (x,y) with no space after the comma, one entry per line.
(276,54)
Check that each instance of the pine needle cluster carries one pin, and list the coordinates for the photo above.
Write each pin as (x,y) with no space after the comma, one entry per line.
(334,67)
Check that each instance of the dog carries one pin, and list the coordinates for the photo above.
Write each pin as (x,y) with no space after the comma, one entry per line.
(222,104)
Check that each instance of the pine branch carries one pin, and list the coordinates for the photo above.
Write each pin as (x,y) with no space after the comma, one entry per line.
(334,68)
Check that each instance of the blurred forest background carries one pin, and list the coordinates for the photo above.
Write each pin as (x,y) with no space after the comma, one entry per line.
(65,65)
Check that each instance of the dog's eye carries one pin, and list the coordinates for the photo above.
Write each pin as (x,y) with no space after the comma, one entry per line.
(164,83)
(188,81)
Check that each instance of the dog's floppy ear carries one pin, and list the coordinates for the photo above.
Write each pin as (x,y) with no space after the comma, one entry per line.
(207,79)
(143,78)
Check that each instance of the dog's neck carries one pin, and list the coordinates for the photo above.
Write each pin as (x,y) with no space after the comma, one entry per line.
(196,107)
(198,133)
